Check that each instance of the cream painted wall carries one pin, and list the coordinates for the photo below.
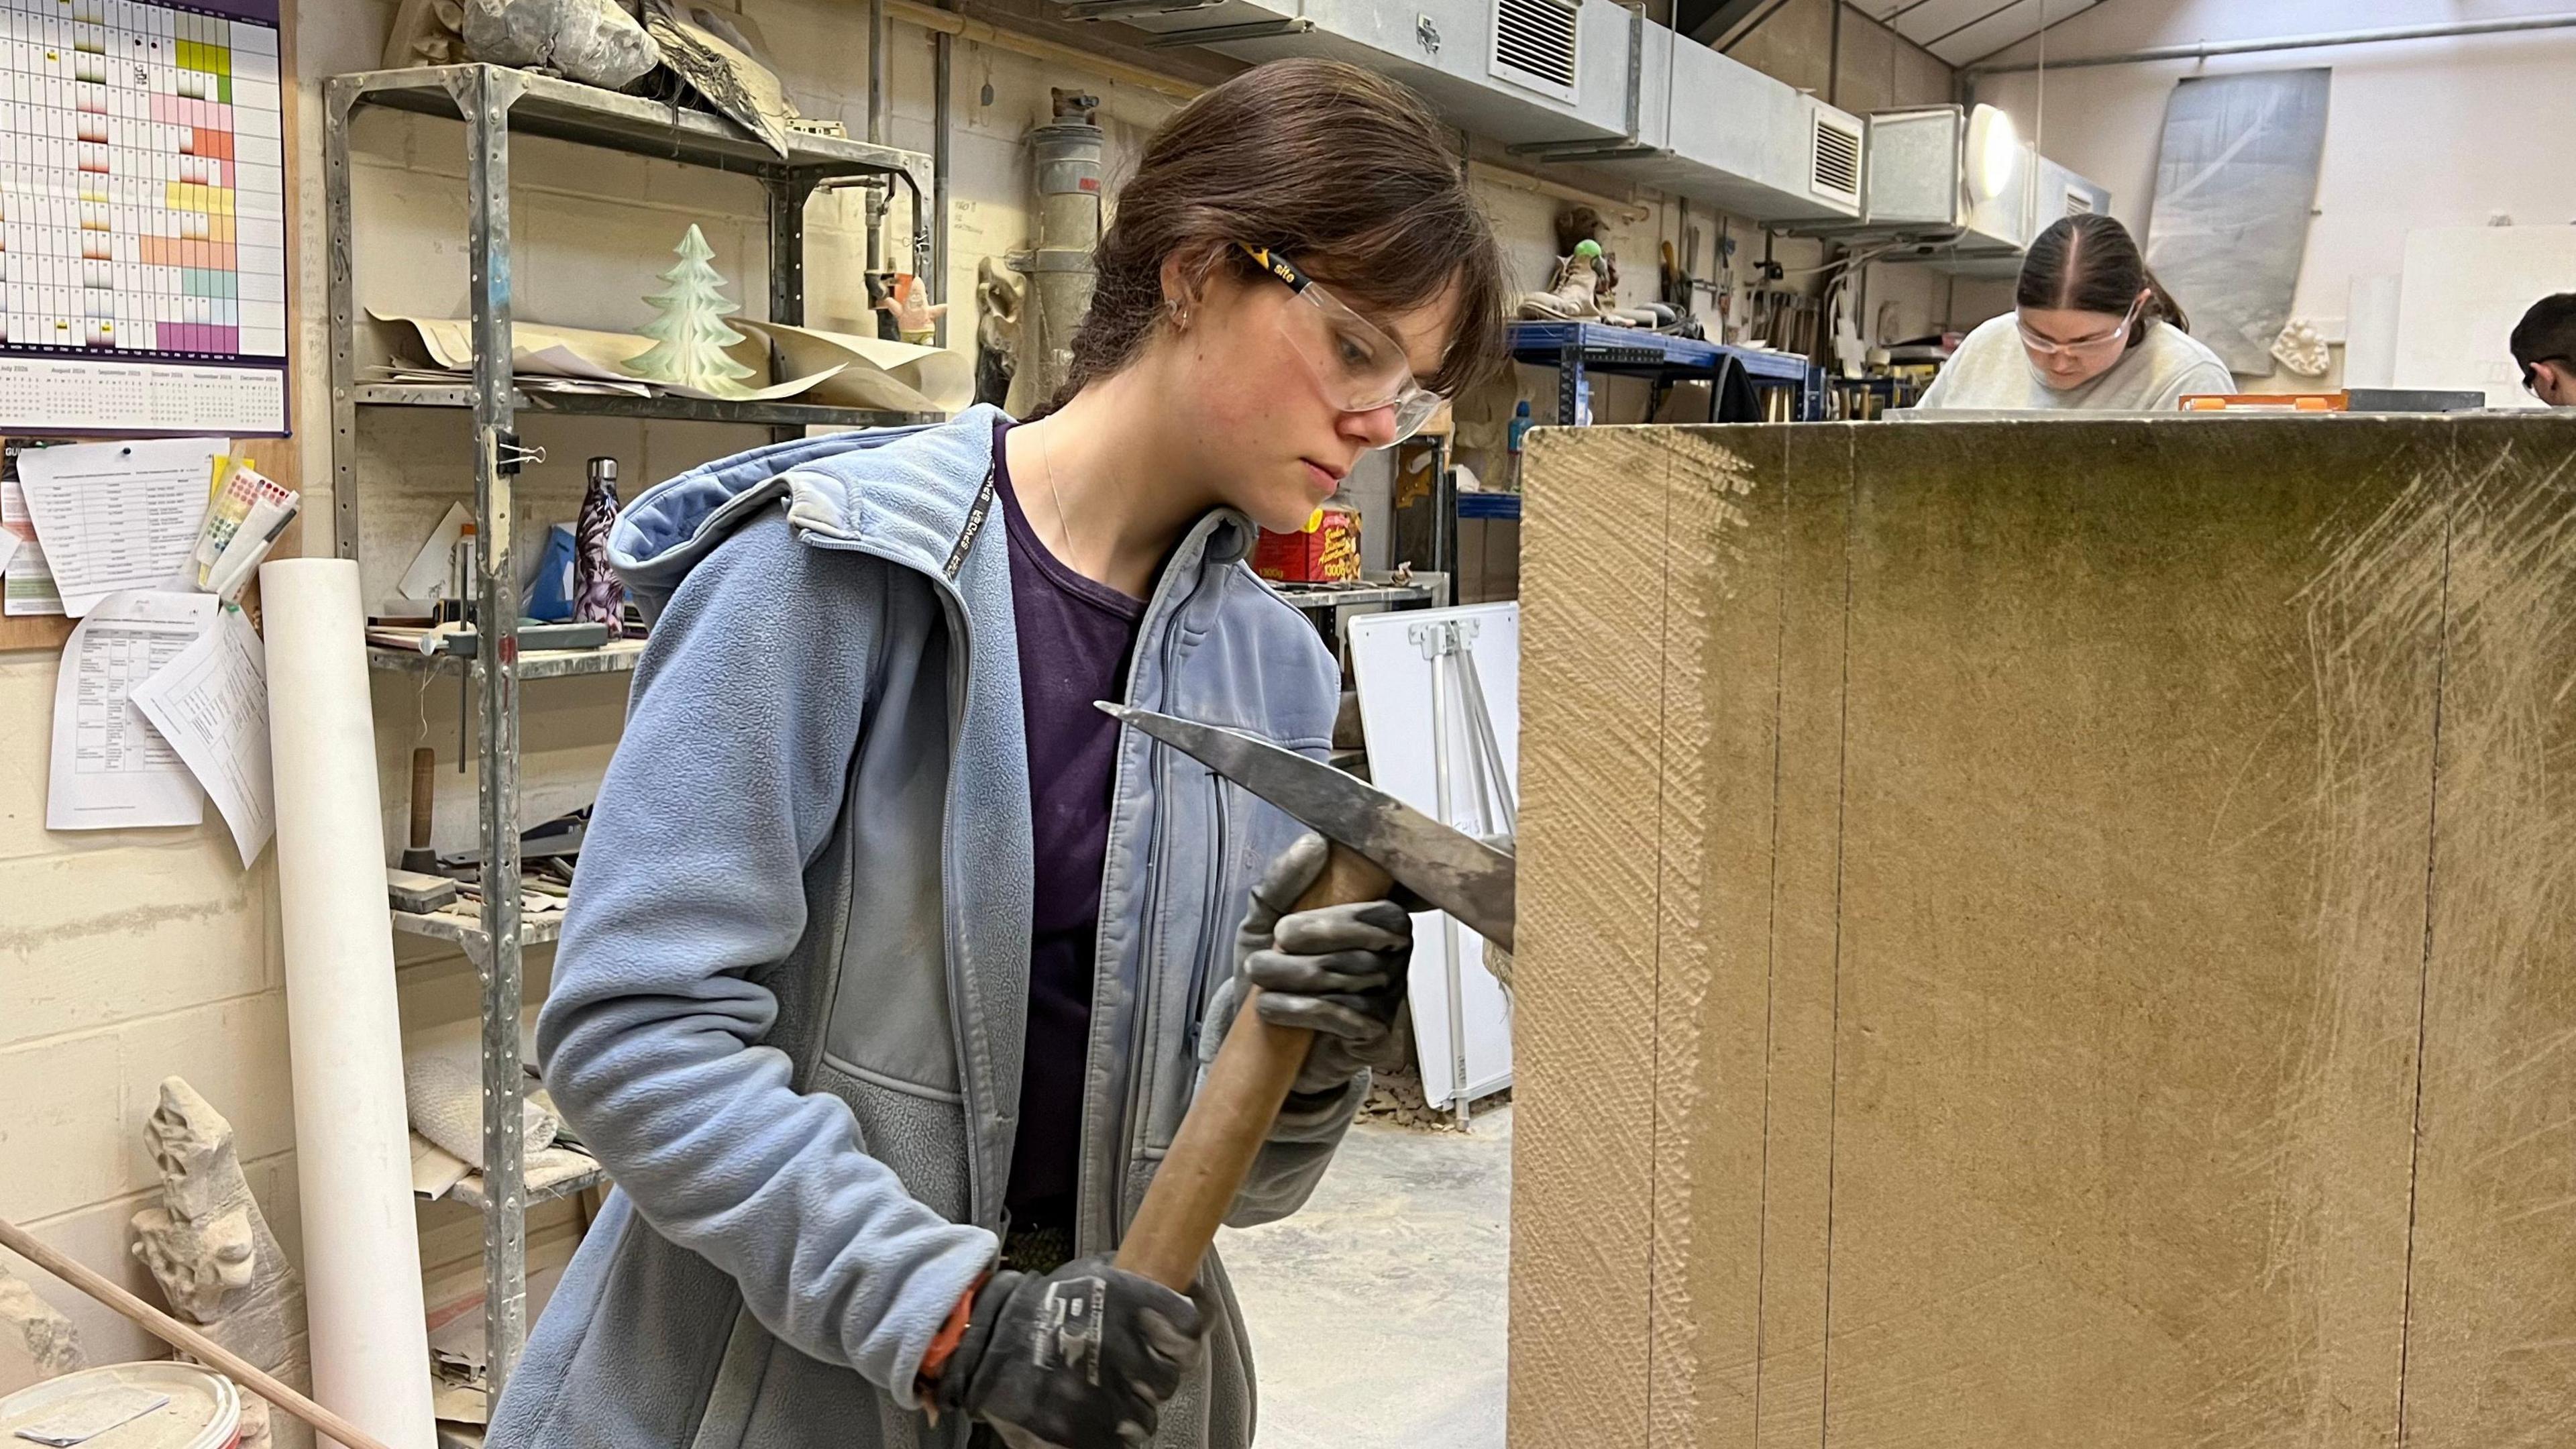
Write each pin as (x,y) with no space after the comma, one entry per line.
(2432,133)
(127,957)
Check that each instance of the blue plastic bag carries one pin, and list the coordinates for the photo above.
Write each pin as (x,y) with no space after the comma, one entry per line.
(550,597)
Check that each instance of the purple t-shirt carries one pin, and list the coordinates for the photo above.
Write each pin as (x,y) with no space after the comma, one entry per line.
(1076,636)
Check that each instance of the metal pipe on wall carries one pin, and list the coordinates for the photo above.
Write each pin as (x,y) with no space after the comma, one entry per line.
(2203,50)
(876,72)
(876,197)
(942,74)
(1834,59)
(1065,154)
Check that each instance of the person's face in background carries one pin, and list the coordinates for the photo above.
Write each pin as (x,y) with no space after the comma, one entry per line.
(2069,348)
(2552,380)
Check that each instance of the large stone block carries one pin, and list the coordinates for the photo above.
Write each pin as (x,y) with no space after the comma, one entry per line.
(2048,933)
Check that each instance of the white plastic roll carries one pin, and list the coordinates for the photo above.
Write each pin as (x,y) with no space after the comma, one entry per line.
(370,1339)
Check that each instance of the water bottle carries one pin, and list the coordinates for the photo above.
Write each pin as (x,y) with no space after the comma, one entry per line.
(1519,429)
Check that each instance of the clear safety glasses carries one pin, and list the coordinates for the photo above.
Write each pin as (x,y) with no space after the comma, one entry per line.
(2095,343)
(1360,368)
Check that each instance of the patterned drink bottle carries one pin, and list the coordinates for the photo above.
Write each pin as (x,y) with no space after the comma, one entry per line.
(597,596)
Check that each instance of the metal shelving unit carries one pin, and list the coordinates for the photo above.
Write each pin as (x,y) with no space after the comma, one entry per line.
(470,939)
(615,657)
(781,414)
(495,103)
(1577,348)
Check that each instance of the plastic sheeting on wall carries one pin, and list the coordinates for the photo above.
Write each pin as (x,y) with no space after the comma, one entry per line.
(2236,179)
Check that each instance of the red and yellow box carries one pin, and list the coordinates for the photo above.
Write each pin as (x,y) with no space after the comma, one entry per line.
(1325,551)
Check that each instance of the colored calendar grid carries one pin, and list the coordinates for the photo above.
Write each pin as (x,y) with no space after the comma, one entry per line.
(142,182)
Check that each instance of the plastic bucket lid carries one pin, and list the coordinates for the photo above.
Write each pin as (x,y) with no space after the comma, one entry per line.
(204,1411)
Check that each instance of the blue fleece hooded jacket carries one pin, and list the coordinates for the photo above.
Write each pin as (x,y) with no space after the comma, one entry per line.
(788,1009)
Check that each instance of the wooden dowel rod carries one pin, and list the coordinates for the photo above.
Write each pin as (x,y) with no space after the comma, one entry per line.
(179,1335)
(424,795)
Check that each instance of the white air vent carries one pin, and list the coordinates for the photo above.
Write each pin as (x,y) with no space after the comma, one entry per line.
(1833,167)
(1534,45)
(2078,203)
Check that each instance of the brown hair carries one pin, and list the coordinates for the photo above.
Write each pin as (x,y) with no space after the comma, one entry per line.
(2089,263)
(1342,171)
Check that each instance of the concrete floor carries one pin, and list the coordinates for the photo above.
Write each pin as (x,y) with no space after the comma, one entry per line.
(1377,1313)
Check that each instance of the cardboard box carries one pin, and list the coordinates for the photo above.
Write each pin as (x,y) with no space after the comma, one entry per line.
(1327,551)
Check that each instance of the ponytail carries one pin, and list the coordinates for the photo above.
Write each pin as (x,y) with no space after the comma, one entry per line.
(2160,306)
(2090,263)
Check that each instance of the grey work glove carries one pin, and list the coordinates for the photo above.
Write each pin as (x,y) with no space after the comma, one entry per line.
(1338,972)
(1079,1358)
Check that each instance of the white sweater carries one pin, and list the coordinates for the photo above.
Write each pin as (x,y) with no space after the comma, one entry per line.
(1992,370)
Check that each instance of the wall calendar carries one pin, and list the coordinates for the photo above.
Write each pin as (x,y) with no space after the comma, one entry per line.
(142,218)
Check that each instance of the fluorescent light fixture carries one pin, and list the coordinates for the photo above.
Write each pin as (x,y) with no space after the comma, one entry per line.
(1994,153)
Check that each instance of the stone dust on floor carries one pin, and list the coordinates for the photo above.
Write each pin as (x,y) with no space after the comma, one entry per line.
(1377,1313)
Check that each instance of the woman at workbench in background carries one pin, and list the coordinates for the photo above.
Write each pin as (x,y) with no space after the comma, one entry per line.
(893,962)
(2090,328)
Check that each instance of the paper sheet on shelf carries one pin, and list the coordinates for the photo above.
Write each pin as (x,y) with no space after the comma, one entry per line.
(577,352)
(119,516)
(111,769)
(210,703)
(434,1169)
(878,373)
(427,576)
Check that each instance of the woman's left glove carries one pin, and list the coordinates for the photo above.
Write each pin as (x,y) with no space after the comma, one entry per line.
(1338,972)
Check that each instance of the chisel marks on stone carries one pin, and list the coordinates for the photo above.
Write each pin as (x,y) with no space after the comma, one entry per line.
(1592,633)
(2493,1250)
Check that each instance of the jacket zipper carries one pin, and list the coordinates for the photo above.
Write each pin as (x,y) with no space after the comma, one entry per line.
(953,604)
(1149,934)
(1211,919)
(953,975)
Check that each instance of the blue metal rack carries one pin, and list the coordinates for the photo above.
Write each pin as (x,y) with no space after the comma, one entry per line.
(1575,348)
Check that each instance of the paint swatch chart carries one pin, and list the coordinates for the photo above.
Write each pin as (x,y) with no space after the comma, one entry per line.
(142,217)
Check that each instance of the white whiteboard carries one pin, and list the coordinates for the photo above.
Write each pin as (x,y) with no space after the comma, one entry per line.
(2464,287)
(1395,684)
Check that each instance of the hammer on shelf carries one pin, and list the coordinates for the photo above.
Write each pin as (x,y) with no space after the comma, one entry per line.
(1377,840)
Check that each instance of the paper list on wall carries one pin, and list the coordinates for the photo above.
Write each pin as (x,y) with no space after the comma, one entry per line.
(210,703)
(26,583)
(111,769)
(116,516)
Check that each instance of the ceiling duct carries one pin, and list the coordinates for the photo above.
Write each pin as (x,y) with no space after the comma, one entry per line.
(1570,81)
(1535,43)
(1957,188)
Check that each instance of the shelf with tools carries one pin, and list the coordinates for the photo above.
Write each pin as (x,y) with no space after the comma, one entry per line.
(495,105)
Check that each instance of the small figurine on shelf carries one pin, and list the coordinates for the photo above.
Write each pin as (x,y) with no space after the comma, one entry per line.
(1573,295)
(913,311)
(598,597)
(690,335)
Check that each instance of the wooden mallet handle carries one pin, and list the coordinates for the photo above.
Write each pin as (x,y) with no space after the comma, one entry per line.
(424,796)
(179,1335)
(1232,1114)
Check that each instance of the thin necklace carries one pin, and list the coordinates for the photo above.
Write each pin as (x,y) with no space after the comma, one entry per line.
(1047,458)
